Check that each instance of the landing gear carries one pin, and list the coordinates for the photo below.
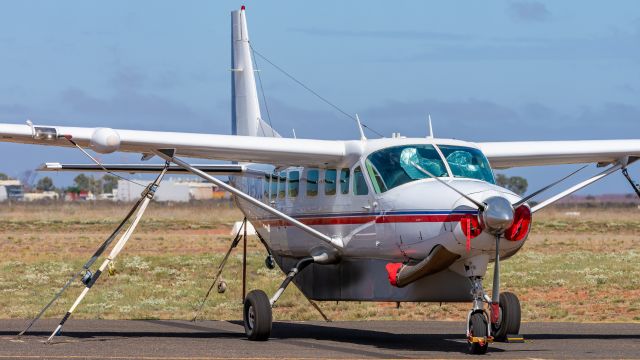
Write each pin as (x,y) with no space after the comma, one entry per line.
(257,316)
(478,333)
(508,319)
(478,329)
(501,321)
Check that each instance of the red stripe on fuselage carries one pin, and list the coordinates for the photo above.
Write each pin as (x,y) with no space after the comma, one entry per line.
(381,219)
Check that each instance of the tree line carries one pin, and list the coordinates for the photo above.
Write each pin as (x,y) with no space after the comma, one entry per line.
(104,184)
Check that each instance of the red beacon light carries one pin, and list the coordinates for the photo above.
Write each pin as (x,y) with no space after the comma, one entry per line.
(242,8)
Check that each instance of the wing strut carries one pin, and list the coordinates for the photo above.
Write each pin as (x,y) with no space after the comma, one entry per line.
(335,242)
(634,185)
(577,187)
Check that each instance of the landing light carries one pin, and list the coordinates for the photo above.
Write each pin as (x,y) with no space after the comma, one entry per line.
(45,133)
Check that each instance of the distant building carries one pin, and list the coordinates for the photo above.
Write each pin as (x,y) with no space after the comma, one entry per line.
(11,190)
(169,190)
(40,196)
(112,196)
(79,196)
(602,199)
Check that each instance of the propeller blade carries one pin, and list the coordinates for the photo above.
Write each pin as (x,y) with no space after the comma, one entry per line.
(528,197)
(480,205)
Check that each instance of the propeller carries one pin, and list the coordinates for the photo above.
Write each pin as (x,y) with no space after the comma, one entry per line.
(479,205)
(497,215)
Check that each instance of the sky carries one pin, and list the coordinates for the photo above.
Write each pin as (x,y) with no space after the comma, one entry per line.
(484,70)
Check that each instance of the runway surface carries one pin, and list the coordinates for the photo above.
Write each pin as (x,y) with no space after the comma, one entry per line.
(167,339)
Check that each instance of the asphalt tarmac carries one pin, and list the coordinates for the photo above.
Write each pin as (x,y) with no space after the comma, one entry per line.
(172,339)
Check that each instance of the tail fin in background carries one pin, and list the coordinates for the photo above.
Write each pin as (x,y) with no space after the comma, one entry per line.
(245,108)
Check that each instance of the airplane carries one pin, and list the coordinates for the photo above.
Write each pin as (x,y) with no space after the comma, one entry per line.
(392,219)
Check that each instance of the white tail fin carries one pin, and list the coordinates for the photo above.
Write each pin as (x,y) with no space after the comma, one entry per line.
(245,109)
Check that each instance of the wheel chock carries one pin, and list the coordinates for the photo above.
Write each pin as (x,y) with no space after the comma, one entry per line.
(514,339)
(480,339)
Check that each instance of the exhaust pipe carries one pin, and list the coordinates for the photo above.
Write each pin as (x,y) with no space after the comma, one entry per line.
(440,258)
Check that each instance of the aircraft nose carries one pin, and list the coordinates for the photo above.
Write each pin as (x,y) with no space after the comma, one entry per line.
(497,216)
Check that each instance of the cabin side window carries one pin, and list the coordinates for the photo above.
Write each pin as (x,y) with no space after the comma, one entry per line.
(359,183)
(265,187)
(282,184)
(312,182)
(294,183)
(273,189)
(330,181)
(344,181)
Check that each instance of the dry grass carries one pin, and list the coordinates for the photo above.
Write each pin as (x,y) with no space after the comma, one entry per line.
(584,268)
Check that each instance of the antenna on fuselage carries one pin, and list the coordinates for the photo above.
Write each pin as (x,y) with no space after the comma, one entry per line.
(430,129)
(294,133)
(362,137)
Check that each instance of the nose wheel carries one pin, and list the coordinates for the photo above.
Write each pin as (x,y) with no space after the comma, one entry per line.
(478,333)
(501,322)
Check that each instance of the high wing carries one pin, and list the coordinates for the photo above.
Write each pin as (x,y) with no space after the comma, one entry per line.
(504,155)
(279,151)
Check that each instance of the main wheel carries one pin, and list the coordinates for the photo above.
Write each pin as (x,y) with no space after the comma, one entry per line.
(478,327)
(257,316)
(509,317)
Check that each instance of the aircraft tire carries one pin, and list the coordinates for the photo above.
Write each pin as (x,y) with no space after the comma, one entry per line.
(257,316)
(509,317)
(478,327)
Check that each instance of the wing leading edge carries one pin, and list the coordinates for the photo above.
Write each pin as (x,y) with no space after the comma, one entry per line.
(504,155)
(280,151)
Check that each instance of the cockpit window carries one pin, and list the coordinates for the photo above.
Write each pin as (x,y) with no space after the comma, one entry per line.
(393,166)
(467,162)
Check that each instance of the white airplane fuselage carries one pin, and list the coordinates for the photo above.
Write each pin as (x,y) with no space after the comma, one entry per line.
(402,225)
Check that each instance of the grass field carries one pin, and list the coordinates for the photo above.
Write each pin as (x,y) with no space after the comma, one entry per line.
(572,268)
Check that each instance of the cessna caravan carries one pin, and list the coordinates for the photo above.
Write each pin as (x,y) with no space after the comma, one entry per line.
(392,219)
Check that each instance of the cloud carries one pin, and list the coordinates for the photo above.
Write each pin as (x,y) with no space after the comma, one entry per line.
(307,122)
(467,119)
(12,110)
(392,34)
(471,119)
(615,116)
(131,79)
(627,88)
(484,120)
(127,78)
(531,11)
(131,109)
(618,46)
(131,105)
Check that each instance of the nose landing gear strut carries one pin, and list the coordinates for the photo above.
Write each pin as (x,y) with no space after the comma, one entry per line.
(502,319)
